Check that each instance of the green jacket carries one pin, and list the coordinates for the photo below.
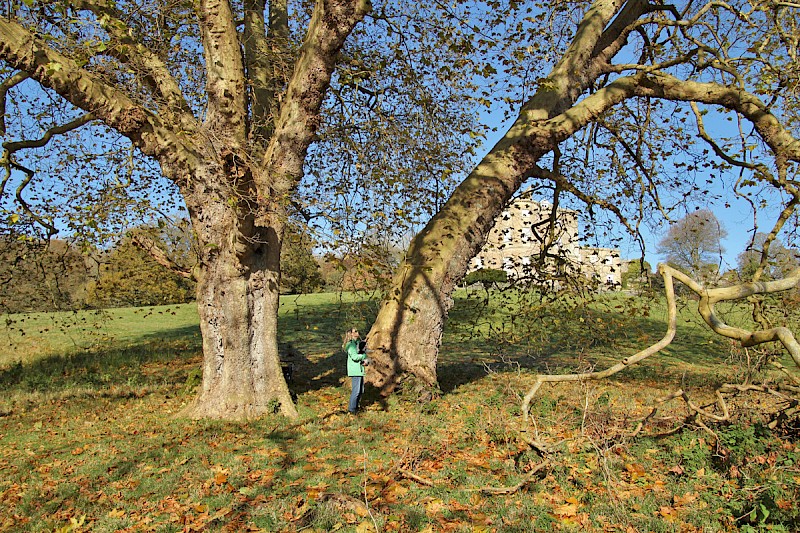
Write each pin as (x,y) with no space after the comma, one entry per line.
(354,366)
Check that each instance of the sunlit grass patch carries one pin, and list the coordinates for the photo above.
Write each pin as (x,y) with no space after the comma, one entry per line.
(91,437)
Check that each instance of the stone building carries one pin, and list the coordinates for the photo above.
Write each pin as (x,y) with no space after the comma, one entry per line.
(524,228)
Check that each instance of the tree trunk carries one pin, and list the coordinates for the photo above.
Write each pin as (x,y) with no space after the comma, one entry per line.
(237,300)
(407,332)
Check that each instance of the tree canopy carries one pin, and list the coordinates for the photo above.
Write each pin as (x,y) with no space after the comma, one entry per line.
(114,110)
(624,109)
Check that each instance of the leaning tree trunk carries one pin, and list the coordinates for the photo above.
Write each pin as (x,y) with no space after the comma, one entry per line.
(407,333)
(237,300)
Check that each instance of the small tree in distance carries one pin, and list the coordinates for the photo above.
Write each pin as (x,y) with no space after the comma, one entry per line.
(129,276)
(694,244)
(780,260)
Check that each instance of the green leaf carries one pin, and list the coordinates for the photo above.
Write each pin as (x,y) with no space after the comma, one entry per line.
(53,67)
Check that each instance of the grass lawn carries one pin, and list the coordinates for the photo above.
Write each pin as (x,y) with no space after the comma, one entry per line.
(89,440)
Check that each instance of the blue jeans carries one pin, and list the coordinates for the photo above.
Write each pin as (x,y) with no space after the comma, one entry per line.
(355,394)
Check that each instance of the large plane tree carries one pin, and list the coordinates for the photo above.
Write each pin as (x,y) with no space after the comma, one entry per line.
(224,98)
(616,105)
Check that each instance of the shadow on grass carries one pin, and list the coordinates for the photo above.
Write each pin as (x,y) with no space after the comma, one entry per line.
(473,345)
(591,340)
(310,339)
(108,365)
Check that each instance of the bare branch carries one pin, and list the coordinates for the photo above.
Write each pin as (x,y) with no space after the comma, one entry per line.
(15,146)
(7,84)
(567,185)
(637,357)
(414,477)
(159,256)
(8,162)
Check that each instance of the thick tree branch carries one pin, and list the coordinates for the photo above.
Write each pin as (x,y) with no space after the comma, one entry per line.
(26,52)
(571,75)
(772,132)
(225,81)
(664,86)
(615,36)
(167,94)
(298,119)
(267,55)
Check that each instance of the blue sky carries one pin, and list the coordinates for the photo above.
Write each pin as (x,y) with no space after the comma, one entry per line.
(735,214)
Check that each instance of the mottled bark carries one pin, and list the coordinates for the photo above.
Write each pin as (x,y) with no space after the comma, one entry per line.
(406,335)
(237,299)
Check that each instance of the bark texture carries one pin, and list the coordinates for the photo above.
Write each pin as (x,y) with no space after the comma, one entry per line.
(406,335)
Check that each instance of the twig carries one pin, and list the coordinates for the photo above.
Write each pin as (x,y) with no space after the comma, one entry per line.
(511,490)
(366,500)
(413,477)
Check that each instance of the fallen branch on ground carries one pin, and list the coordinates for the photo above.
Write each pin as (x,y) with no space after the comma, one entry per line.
(413,477)
(708,298)
(511,490)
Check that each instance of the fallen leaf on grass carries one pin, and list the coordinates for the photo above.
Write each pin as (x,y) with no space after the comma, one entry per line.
(785,505)
(567,510)
(394,492)
(686,499)
(635,470)
(365,527)
(343,502)
(666,511)
(433,506)
(677,470)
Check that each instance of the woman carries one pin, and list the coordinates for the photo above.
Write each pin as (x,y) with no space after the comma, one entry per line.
(355,368)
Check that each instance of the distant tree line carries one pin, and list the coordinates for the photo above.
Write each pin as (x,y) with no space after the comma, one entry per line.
(58,275)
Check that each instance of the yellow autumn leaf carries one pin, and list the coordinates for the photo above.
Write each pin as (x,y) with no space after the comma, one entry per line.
(434,506)
(567,510)
(367,526)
